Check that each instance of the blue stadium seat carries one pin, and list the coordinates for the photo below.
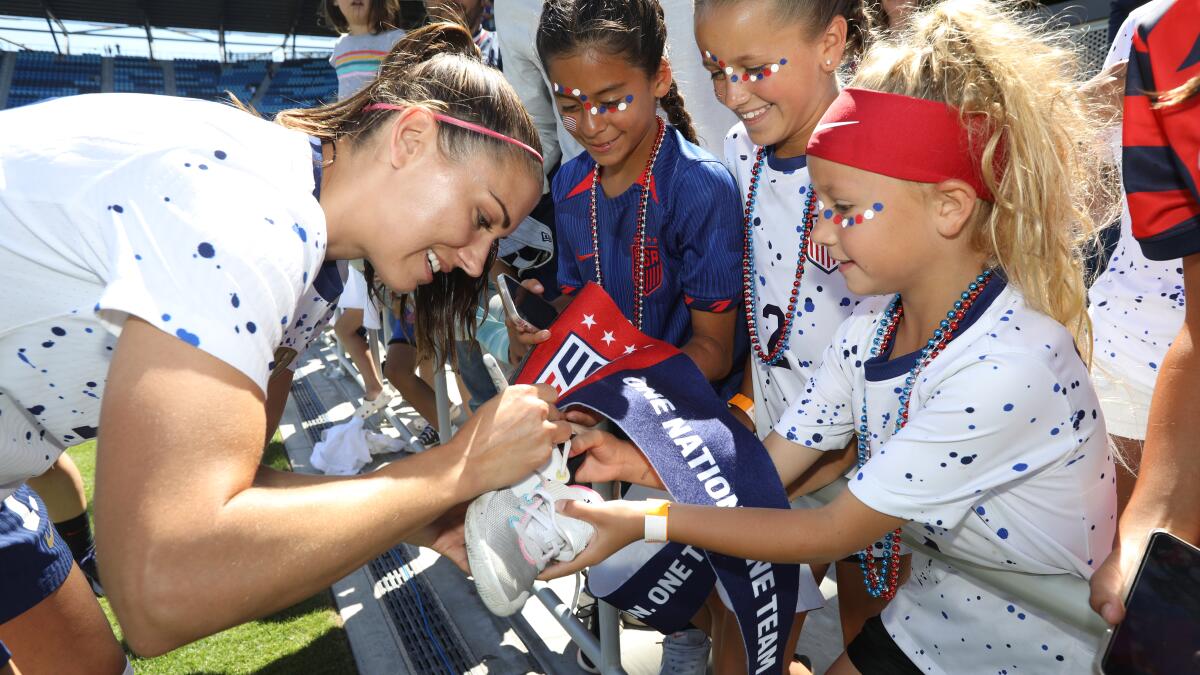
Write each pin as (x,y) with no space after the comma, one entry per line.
(42,75)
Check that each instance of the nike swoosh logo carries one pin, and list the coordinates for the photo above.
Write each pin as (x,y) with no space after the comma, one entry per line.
(830,125)
(584,256)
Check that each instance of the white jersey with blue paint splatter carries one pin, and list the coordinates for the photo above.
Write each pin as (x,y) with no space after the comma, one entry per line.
(1004,462)
(824,301)
(193,216)
(1136,304)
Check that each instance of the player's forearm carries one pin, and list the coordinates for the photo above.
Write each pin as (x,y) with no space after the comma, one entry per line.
(267,548)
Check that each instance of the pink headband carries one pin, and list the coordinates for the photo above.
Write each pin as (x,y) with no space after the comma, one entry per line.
(465,125)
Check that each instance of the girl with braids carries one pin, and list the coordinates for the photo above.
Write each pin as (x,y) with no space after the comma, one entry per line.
(956,180)
(152,252)
(644,212)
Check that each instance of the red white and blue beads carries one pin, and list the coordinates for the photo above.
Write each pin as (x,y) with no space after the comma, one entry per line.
(881,577)
(646,181)
(593,108)
(773,353)
(850,219)
(763,72)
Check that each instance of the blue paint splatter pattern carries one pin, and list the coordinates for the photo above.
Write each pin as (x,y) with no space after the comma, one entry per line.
(976,479)
(180,238)
(824,300)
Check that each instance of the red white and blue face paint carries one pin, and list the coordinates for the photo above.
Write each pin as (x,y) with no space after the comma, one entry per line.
(849,219)
(593,107)
(746,75)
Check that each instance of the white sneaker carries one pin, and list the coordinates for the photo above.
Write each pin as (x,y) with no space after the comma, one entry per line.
(511,539)
(685,653)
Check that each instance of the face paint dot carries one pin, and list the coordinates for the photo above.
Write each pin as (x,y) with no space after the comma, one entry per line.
(868,214)
(877,206)
(583,98)
(622,105)
(729,71)
(783,62)
(206,250)
(774,67)
(219,154)
(828,214)
(575,92)
(190,338)
(593,110)
(629,98)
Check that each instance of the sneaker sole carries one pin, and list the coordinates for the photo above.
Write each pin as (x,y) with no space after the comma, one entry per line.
(480,563)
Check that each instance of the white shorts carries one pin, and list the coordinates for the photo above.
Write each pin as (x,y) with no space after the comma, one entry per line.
(355,296)
(1125,402)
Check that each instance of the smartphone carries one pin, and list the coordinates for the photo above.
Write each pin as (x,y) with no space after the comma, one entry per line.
(521,303)
(1161,630)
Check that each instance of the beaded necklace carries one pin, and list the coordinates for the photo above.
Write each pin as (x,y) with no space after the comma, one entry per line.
(639,236)
(881,577)
(749,291)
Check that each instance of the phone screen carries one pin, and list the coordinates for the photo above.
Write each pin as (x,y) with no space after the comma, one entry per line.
(530,306)
(1161,630)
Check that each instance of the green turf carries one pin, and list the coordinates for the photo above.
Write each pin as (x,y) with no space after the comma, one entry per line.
(307,638)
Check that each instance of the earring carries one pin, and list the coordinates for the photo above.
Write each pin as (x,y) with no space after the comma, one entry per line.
(828,62)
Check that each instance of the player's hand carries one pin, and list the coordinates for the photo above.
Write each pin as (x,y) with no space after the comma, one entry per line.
(618,524)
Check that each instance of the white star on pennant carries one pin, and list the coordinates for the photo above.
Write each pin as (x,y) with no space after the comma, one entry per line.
(608,337)
(630,349)
(589,320)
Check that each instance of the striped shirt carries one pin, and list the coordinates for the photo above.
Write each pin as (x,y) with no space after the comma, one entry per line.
(1161,159)
(356,59)
(693,254)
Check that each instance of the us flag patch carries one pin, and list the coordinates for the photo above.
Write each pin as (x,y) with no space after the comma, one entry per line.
(819,256)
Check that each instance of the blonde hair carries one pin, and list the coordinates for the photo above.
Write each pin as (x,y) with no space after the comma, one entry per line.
(991,63)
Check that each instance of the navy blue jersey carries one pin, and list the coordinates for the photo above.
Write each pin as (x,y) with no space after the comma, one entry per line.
(693,240)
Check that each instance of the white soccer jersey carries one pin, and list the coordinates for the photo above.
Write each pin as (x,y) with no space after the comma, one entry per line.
(1136,304)
(1004,462)
(824,301)
(193,216)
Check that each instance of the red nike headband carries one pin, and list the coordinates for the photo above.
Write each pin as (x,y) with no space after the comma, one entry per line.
(902,137)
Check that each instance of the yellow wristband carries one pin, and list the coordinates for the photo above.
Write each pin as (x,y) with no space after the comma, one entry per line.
(743,403)
(655,528)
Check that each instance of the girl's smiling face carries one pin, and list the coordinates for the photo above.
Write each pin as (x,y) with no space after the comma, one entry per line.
(877,227)
(776,105)
(607,81)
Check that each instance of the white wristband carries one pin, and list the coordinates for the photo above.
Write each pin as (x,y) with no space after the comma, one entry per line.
(655,527)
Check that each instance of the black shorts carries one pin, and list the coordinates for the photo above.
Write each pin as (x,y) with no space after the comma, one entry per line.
(34,560)
(874,652)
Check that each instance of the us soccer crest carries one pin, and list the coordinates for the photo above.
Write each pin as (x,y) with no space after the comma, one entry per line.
(573,363)
(819,256)
(652,263)
(588,337)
